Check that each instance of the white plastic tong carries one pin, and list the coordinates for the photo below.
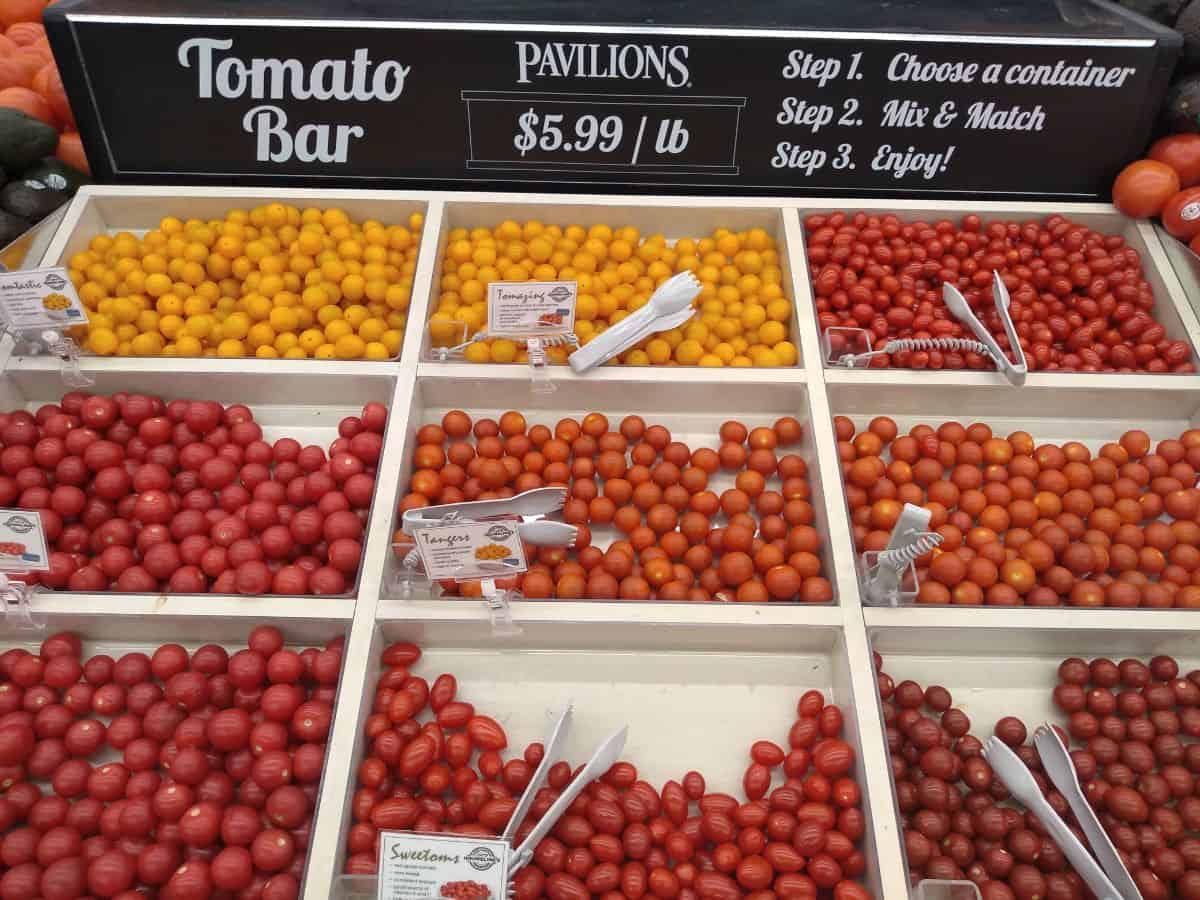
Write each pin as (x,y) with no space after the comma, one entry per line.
(961,310)
(669,307)
(1108,878)
(986,343)
(601,761)
(532,506)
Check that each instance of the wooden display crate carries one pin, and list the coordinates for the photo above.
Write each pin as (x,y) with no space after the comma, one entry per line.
(104,630)
(1011,669)
(672,217)
(692,411)
(693,698)
(305,406)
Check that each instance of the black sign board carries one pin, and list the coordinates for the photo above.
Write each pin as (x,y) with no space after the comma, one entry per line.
(1011,102)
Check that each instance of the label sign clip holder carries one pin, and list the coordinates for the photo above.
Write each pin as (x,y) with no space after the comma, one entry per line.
(535,348)
(499,606)
(887,579)
(37,308)
(16,597)
(497,600)
(67,351)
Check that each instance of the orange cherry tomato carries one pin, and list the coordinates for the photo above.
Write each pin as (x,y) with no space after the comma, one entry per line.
(1182,153)
(1143,187)
(1181,214)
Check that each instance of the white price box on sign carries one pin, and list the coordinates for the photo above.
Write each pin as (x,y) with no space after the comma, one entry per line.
(525,309)
(22,542)
(441,867)
(466,550)
(37,300)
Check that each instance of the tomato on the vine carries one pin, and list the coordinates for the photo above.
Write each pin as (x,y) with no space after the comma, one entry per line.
(1143,187)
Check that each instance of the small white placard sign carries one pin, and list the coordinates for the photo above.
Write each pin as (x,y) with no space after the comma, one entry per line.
(36,300)
(22,542)
(441,867)
(526,309)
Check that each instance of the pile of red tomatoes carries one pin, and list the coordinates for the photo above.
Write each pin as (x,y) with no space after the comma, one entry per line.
(139,494)
(1165,184)
(1129,722)
(178,775)
(1080,301)
(436,764)
(1030,524)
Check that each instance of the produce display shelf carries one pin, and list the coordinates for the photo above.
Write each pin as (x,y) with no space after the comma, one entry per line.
(587,612)
(190,606)
(1054,619)
(1092,415)
(108,209)
(736,669)
(249,368)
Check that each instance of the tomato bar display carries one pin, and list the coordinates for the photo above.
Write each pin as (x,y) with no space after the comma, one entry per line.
(139,494)
(1129,724)
(744,314)
(1080,299)
(173,773)
(435,762)
(1032,524)
(679,539)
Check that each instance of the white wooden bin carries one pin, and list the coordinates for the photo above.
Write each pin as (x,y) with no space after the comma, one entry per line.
(104,630)
(694,697)
(1172,308)
(692,411)
(996,669)
(672,217)
(305,406)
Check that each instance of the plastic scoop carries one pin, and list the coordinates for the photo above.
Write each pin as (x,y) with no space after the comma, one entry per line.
(669,307)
